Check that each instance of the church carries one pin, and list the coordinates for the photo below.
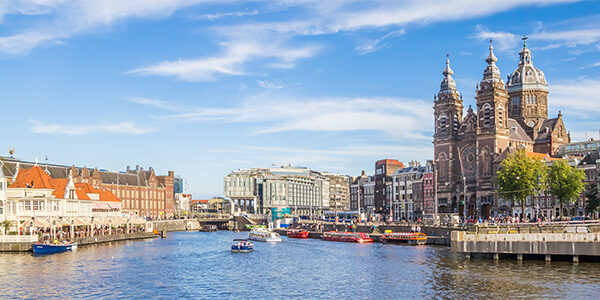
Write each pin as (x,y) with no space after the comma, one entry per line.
(469,148)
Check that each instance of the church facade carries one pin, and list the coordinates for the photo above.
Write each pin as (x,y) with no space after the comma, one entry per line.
(469,147)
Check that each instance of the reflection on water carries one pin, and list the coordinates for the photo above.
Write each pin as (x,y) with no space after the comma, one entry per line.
(200,265)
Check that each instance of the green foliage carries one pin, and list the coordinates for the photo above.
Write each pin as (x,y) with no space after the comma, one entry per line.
(593,201)
(6,225)
(520,176)
(566,182)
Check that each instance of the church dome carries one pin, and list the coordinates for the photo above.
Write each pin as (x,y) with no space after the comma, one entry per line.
(526,76)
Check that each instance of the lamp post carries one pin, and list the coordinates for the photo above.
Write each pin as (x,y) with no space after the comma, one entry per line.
(465,198)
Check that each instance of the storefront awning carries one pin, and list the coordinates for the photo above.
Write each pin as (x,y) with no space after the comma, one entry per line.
(100,205)
(114,205)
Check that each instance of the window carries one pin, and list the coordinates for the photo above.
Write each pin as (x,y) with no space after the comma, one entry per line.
(500,115)
(486,115)
(443,124)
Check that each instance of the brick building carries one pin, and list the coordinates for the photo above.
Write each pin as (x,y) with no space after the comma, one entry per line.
(141,192)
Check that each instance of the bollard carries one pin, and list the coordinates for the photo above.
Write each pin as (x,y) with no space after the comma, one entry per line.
(163,234)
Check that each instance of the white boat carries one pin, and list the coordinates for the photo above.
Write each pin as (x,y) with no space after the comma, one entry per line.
(263,235)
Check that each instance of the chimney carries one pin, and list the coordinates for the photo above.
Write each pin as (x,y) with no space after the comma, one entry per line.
(171,174)
(362,173)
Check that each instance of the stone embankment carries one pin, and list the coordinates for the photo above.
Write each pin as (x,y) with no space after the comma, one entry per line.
(27,246)
(176,225)
(530,241)
(113,238)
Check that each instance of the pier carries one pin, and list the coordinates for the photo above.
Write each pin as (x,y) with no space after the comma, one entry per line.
(530,241)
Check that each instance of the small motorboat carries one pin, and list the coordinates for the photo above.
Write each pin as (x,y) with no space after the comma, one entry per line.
(349,237)
(264,235)
(297,234)
(242,246)
(53,248)
(209,228)
(414,238)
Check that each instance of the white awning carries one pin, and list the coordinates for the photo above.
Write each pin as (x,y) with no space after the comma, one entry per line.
(100,205)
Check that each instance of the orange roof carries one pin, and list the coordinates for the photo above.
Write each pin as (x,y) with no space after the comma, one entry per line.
(541,156)
(60,186)
(201,201)
(83,189)
(37,178)
(34,178)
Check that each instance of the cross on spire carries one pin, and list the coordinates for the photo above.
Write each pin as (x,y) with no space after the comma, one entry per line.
(524,38)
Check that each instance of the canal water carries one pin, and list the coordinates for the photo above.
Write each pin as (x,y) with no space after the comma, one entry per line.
(199,265)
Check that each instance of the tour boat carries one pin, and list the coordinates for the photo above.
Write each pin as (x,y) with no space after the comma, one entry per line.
(242,246)
(417,238)
(52,248)
(263,235)
(350,237)
(297,234)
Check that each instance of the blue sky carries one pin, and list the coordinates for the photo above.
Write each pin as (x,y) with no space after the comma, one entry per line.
(206,87)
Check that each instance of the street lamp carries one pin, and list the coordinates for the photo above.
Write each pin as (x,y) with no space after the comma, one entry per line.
(465,198)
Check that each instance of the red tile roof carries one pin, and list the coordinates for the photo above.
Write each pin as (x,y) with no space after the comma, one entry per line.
(37,178)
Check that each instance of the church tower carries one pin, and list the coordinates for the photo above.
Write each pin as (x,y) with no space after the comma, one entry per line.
(528,94)
(492,103)
(448,107)
(448,111)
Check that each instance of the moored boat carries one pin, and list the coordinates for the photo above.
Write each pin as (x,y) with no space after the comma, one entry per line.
(242,246)
(297,234)
(209,228)
(417,238)
(263,235)
(350,237)
(52,248)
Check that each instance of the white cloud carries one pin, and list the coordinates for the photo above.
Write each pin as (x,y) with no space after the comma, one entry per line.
(577,97)
(398,117)
(122,128)
(376,44)
(268,84)
(249,42)
(73,17)
(569,33)
(502,40)
(151,102)
(231,61)
(215,16)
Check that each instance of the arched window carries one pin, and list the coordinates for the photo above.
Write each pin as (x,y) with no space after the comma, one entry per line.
(500,115)
(487,111)
(442,124)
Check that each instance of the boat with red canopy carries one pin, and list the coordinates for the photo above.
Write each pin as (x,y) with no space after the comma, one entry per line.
(297,234)
(417,238)
(350,237)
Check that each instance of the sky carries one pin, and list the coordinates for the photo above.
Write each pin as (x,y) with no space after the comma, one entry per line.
(206,87)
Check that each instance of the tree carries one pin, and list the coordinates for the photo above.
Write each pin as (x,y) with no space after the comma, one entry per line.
(520,176)
(566,182)
(593,201)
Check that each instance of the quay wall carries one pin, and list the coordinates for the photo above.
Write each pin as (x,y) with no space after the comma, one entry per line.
(27,246)
(113,238)
(176,225)
(582,243)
